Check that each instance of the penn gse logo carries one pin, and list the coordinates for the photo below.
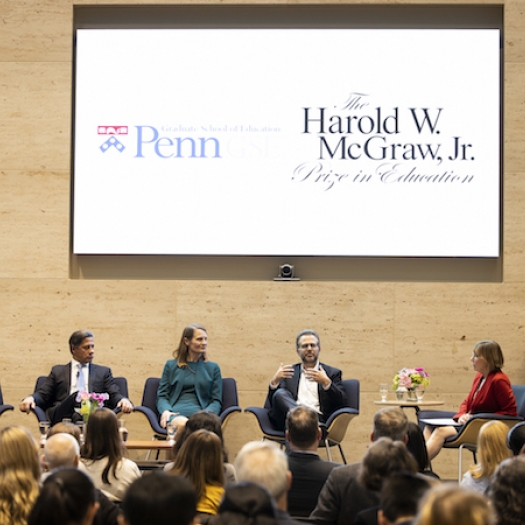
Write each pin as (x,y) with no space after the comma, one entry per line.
(112,141)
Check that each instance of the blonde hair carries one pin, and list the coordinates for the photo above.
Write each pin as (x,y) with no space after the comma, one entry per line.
(449,504)
(19,475)
(492,449)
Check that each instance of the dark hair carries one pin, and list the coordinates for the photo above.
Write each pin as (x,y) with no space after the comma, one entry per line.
(65,428)
(303,426)
(181,352)
(307,332)
(417,447)
(383,458)
(103,441)
(203,419)
(77,337)
(65,498)
(160,499)
(516,438)
(401,494)
(200,461)
(506,491)
(246,503)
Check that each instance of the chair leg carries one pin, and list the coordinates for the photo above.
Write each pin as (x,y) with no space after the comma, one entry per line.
(460,463)
(342,453)
(328,453)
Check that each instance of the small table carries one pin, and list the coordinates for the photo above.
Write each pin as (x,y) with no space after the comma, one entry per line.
(153,444)
(411,404)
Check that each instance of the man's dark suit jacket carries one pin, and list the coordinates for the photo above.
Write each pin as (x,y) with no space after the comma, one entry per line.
(343,497)
(57,386)
(309,473)
(329,400)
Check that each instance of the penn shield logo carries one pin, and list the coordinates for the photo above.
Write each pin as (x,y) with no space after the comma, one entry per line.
(112,141)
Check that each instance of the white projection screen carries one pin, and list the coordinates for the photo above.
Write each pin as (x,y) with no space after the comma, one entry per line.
(287,142)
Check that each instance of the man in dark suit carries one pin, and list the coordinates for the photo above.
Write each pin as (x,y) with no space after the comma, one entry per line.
(309,383)
(309,471)
(57,396)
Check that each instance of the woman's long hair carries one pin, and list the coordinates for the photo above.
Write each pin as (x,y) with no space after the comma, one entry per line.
(19,475)
(181,353)
(492,449)
(103,441)
(200,461)
(66,497)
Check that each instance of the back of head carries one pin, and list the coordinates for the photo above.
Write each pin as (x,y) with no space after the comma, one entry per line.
(383,458)
(401,494)
(19,451)
(64,428)
(246,504)
(451,505)
(506,490)
(61,450)
(102,436)
(390,422)
(492,448)
(160,499)
(303,427)
(67,497)
(200,460)
(264,463)
(416,446)
(18,492)
(516,438)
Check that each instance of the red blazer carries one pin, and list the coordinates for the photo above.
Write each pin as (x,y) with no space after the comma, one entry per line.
(495,397)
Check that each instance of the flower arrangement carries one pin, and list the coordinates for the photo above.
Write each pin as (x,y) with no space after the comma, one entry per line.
(410,378)
(90,401)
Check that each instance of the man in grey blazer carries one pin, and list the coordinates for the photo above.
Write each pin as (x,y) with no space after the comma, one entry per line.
(309,383)
(57,396)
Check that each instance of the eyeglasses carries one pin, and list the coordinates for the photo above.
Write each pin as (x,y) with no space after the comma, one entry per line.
(304,346)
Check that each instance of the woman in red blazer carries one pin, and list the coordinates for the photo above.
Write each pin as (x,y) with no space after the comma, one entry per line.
(491,392)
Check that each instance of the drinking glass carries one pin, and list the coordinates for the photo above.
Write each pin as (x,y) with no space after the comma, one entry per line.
(43,426)
(420,392)
(172,430)
(383,390)
(123,431)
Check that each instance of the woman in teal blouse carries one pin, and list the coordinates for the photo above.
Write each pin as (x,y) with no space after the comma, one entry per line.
(189,382)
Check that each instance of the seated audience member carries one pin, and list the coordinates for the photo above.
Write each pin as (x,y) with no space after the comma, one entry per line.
(67,497)
(159,499)
(62,450)
(209,421)
(417,447)
(190,382)
(200,461)
(343,495)
(309,471)
(103,456)
(57,396)
(449,505)
(246,504)
(507,489)
(65,428)
(19,474)
(491,451)
(264,463)
(516,438)
(384,458)
(400,497)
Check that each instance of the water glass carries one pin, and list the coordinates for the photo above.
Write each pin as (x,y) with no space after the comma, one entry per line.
(383,390)
(43,426)
(171,428)
(420,392)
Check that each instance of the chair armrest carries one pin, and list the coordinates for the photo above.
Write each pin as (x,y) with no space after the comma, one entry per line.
(152,418)
(264,421)
(229,411)
(39,413)
(5,408)
(344,410)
